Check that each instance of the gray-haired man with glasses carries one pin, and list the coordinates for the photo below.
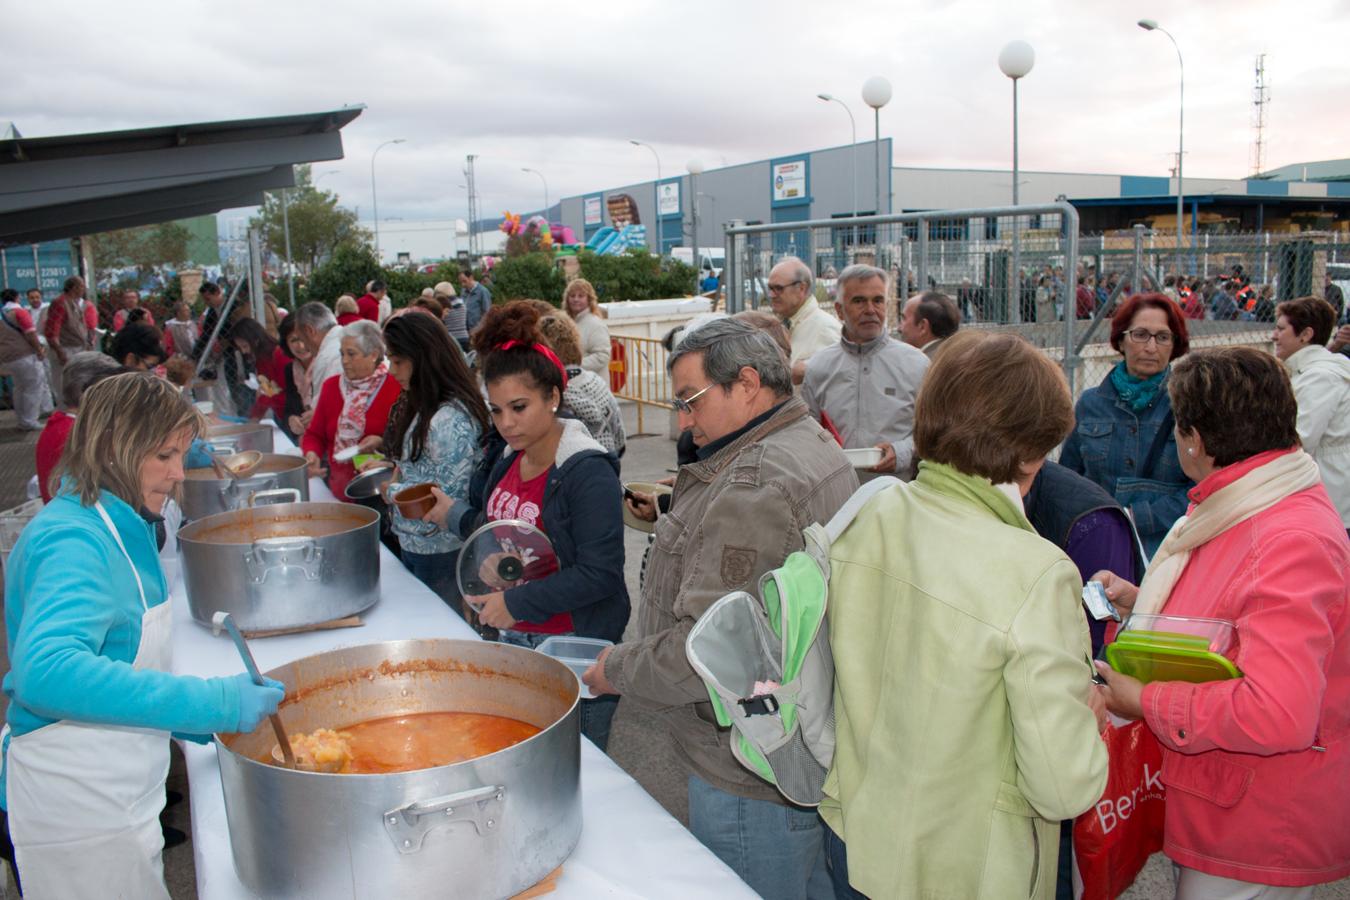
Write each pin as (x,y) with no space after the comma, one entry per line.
(810,328)
(765,470)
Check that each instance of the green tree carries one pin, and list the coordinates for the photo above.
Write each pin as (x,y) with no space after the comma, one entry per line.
(345,272)
(319,226)
(150,249)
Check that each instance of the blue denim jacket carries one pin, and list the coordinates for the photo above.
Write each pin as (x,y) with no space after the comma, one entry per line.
(1109,445)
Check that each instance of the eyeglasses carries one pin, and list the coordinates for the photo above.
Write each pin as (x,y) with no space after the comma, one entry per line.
(1143,336)
(686,406)
(779,288)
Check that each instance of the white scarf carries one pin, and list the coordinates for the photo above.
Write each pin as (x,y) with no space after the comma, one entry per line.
(1258,490)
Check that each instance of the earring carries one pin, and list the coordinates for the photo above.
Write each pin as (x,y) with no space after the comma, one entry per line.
(1190,451)
(555,409)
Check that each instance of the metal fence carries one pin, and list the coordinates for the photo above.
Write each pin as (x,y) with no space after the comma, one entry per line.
(1027,269)
(637,372)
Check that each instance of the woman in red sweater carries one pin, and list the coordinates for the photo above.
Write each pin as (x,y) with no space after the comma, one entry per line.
(1256,767)
(82,372)
(268,362)
(353,407)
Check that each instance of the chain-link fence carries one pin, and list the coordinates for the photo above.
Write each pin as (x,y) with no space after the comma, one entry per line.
(1068,285)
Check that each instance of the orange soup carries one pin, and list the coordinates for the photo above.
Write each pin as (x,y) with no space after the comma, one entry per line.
(426,740)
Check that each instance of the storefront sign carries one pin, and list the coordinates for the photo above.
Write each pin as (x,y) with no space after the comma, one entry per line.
(789,180)
(668,198)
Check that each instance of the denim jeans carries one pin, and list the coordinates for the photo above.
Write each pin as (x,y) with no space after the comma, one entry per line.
(836,857)
(436,571)
(776,849)
(596,715)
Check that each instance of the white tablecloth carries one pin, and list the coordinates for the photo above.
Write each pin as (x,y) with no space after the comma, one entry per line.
(630,846)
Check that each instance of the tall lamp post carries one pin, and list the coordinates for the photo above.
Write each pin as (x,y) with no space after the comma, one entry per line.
(374,198)
(545,181)
(853,143)
(695,167)
(876,93)
(656,196)
(1151,25)
(1016,61)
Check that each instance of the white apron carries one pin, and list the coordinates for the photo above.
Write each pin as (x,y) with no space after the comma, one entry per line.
(84,800)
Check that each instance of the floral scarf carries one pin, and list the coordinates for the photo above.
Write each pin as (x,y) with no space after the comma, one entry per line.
(356,400)
(1137,393)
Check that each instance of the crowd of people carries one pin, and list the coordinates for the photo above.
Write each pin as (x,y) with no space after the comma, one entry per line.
(1209,483)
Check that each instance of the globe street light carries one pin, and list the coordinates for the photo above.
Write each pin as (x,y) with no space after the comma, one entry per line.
(1151,25)
(545,181)
(876,93)
(695,167)
(374,198)
(853,143)
(1016,61)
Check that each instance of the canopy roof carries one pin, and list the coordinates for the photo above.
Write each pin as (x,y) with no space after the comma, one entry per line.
(69,185)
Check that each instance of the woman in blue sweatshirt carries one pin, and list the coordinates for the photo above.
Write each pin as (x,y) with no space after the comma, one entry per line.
(92,701)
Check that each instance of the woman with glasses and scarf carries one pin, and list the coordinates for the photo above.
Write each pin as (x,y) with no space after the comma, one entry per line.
(353,407)
(1123,437)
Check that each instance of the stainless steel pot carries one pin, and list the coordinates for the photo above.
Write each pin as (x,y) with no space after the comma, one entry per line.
(487,827)
(237,438)
(282,566)
(205,493)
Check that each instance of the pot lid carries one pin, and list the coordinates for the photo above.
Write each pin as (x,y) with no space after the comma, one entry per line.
(503,554)
(368,483)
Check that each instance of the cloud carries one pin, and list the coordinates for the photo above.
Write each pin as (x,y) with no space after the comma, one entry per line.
(562,87)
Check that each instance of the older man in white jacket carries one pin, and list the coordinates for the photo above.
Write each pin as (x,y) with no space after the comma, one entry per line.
(867,381)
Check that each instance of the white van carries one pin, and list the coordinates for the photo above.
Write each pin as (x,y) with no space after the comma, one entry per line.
(714,258)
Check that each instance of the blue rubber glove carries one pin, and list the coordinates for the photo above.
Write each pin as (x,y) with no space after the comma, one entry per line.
(198,457)
(256,703)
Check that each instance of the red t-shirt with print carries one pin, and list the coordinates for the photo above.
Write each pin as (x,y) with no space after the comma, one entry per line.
(514,498)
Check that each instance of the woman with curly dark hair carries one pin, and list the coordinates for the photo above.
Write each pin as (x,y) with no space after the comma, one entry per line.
(555,476)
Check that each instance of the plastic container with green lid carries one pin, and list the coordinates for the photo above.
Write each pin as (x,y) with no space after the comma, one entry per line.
(1174,648)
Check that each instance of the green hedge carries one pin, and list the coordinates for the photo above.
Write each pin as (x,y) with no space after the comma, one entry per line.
(634,275)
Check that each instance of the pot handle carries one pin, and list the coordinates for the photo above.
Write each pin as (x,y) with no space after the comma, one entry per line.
(281,555)
(291,495)
(409,825)
(230,491)
(221,447)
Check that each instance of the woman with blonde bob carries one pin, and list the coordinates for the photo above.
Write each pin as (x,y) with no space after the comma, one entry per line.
(92,701)
(965,724)
(582,305)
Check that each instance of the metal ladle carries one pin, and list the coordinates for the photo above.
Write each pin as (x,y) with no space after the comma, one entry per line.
(223,620)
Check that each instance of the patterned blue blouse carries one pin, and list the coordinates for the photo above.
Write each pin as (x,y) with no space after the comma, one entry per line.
(448,460)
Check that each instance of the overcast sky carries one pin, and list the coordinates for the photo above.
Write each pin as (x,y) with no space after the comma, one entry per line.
(561,87)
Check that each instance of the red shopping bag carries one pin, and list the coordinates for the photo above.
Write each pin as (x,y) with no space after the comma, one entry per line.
(1113,840)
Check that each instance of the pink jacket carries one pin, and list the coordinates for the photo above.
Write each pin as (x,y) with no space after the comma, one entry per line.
(1250,793)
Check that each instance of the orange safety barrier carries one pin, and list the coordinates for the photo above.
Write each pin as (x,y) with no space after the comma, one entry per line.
(637,372)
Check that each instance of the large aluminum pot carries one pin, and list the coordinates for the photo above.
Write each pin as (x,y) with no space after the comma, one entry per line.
(483,828)
(205,493)
(282,566)
(238,438)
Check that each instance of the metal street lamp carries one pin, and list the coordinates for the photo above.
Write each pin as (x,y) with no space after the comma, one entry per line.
(853,143)
(1016,61)
(545,181)
(374,198)
(656,196)
(695,167)
(876,93)
(1152,25)
(653,149)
